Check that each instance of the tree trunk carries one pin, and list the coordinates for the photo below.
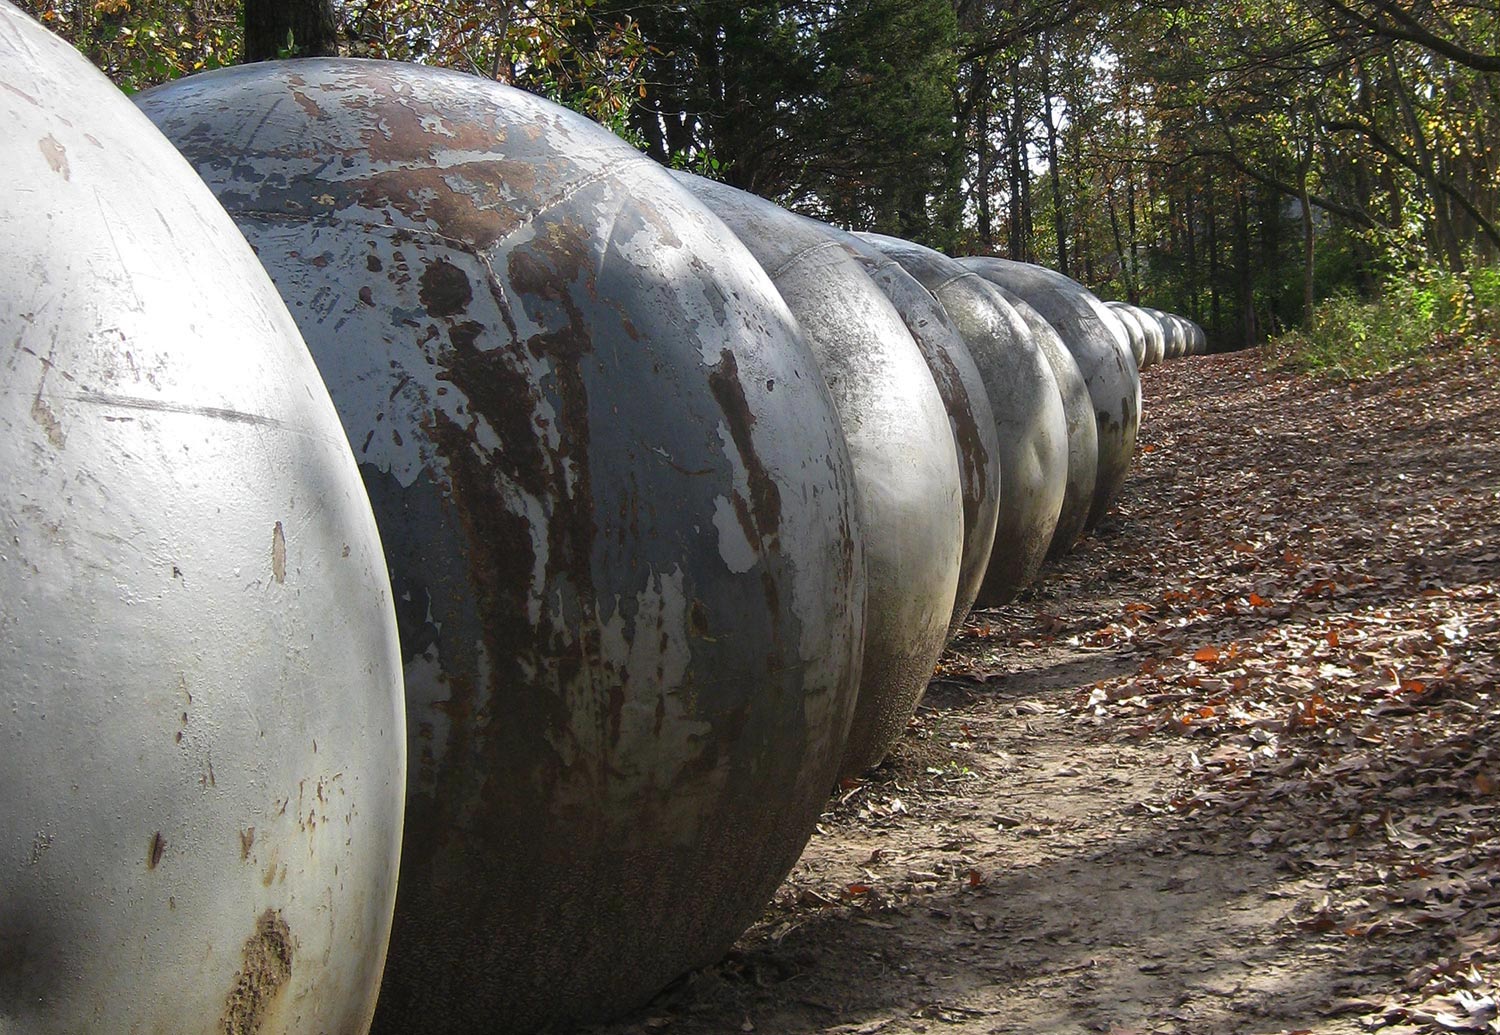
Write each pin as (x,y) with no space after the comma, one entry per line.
(289,28)
(1245,273)
(1308,241)
(1020,175)
(1059,213)
(981,87)
(1215,319)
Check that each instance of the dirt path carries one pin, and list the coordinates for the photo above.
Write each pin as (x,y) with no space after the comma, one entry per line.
(1234,767)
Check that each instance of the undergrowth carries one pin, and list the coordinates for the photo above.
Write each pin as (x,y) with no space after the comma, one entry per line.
(1415,315)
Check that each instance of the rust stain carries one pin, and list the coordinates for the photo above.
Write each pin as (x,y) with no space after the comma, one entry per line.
(765,497)
(56,155)
(265,970)
(247,841)
(278,553)
(157,849)
(43,415)
(445,289)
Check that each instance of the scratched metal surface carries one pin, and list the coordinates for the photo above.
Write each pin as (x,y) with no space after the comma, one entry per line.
(1027,405)
(905,462)
(202,753)
(1103,357)
(1083,432)
(617,507)
(975,433)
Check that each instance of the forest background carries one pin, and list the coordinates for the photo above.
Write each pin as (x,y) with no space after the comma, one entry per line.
(1262,167)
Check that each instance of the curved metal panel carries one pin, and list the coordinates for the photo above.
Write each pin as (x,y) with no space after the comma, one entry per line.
(1083,432)
(1107,365)
(1132,331)
(1156,343)
(970,415)
(1028,410)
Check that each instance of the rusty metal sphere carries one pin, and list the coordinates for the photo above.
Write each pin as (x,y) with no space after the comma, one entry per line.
(204,744)
(905,463)
(618,509)
(1105,360)
(1133,331)
(970,415)
(1083,432)
(1028,410)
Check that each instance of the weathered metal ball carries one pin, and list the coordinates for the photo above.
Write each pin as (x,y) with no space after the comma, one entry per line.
(1028,411)
(1150,330)
(1083,432)
(905,463)
(617,506)
(1105,360)
(1174,334)
(1132,330)
(1197,339)
(204,747)
(970,416)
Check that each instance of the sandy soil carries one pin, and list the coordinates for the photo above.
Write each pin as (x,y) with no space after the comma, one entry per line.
(1232,767)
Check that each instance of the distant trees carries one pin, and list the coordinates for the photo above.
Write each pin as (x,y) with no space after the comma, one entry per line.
(1235,160)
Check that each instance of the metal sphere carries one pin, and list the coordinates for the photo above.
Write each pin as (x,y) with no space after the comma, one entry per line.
(204,746)
(1083,431)
(1105,360)
(1174,333)
(1028,410)
(1197,339)
(1132,329)
(905,463)
(618,509)
(1156,342)
(970,416)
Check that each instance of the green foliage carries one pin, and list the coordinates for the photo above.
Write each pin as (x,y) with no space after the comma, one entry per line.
(140,43)
(1416,313)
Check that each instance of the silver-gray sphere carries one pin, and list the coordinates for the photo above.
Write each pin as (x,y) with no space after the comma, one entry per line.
(203,755)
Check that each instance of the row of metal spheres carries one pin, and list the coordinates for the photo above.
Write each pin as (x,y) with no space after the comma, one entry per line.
(605,518)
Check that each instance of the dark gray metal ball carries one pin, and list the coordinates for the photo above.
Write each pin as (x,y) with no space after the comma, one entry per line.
(1028,409)
(1132,329)
(1083,432)
(618,509)
(905,463)
(970,415)
(1105,360)
(1156,343)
